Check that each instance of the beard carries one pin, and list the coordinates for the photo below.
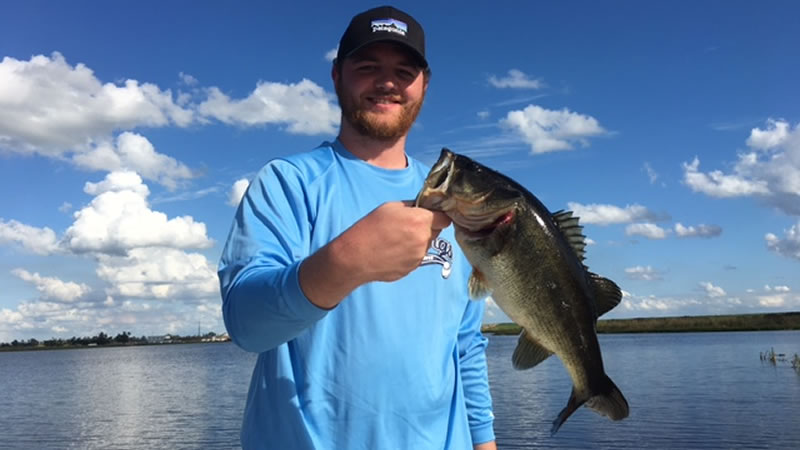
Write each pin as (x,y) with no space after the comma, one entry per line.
(370,125)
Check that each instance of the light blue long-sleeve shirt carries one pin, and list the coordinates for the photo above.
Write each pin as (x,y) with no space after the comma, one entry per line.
(396,365)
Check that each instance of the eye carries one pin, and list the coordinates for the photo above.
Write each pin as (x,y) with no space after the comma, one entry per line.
(365,68)
(406,74)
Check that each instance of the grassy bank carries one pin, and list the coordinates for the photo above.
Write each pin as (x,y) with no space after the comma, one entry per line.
(738,322)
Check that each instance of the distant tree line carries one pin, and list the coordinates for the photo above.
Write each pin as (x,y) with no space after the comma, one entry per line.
(734,322)
(101,339)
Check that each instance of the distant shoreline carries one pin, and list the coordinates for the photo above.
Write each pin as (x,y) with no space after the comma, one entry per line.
(683,324)
(39,348)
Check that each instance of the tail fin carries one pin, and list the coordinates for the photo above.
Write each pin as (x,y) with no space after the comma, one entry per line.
(608,401)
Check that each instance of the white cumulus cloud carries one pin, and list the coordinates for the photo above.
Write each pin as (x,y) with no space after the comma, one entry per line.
(711,290)
(778,297)
(119,218)
(717,184)
(600,214)
(647,230)
(772,301)
(516,79)
(330,55)
(770,170)
(159,273)
(702,230)
(648,304)
(53,288)
(304,107)
(53,108)
(42,241)
(50,107)
(549,130)
(9,317)
(645,273)
(788,246)
(769,288)
(237,191)
(134,152)
(777,133)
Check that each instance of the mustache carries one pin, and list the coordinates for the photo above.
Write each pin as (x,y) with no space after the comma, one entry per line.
(386,91)
(394,97)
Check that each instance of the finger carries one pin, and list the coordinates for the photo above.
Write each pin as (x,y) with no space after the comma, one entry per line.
(440,221)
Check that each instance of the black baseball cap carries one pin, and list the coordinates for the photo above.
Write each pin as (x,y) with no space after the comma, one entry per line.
(384,23)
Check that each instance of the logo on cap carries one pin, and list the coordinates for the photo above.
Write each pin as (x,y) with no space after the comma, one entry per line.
(390,25)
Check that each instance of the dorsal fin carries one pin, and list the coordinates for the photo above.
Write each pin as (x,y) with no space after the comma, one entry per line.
(572,231)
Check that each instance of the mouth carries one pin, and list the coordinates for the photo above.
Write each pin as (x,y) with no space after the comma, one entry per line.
(384,100)
(434,191)
(472,214)
(439,178)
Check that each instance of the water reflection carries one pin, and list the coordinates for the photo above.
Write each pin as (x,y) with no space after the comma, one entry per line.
(704,390)
(686,391)
(178,396)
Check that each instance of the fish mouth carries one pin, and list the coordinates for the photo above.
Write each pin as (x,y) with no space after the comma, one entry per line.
(469,212)
(434,192)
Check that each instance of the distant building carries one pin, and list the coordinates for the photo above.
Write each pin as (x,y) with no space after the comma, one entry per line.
(217,338)
(164,339)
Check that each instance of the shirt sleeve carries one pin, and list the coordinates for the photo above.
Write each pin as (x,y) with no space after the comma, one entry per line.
(474,374)
(263,305)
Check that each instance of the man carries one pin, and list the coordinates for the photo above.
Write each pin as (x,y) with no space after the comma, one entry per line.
(366,337)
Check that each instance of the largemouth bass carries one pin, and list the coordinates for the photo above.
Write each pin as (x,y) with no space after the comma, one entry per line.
(531,262)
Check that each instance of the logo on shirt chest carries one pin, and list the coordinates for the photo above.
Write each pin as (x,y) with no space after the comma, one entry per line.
(441,252)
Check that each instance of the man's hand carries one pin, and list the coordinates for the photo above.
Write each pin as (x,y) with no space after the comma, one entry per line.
(392,240)
(385,245)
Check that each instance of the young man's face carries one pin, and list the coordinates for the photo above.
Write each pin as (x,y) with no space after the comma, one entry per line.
(380,90)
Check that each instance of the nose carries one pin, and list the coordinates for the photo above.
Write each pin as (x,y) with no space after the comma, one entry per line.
(386,80)
(385,83)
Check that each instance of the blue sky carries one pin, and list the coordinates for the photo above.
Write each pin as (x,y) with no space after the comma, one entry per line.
(671,128)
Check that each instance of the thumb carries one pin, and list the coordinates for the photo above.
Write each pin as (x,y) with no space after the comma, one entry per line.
(440,221)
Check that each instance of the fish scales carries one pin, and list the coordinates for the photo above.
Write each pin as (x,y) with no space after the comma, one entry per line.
(556,314)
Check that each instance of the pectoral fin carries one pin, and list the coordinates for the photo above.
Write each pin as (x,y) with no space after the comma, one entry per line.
(528,352)
(477,286)
(607,294)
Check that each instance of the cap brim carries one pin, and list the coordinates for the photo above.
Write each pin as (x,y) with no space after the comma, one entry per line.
(420,59)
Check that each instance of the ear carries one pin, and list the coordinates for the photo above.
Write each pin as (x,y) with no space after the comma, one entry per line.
(335,73)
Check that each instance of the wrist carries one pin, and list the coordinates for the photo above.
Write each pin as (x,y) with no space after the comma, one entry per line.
(330,274)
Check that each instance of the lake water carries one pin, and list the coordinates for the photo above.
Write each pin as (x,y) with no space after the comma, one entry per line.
(686,391)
